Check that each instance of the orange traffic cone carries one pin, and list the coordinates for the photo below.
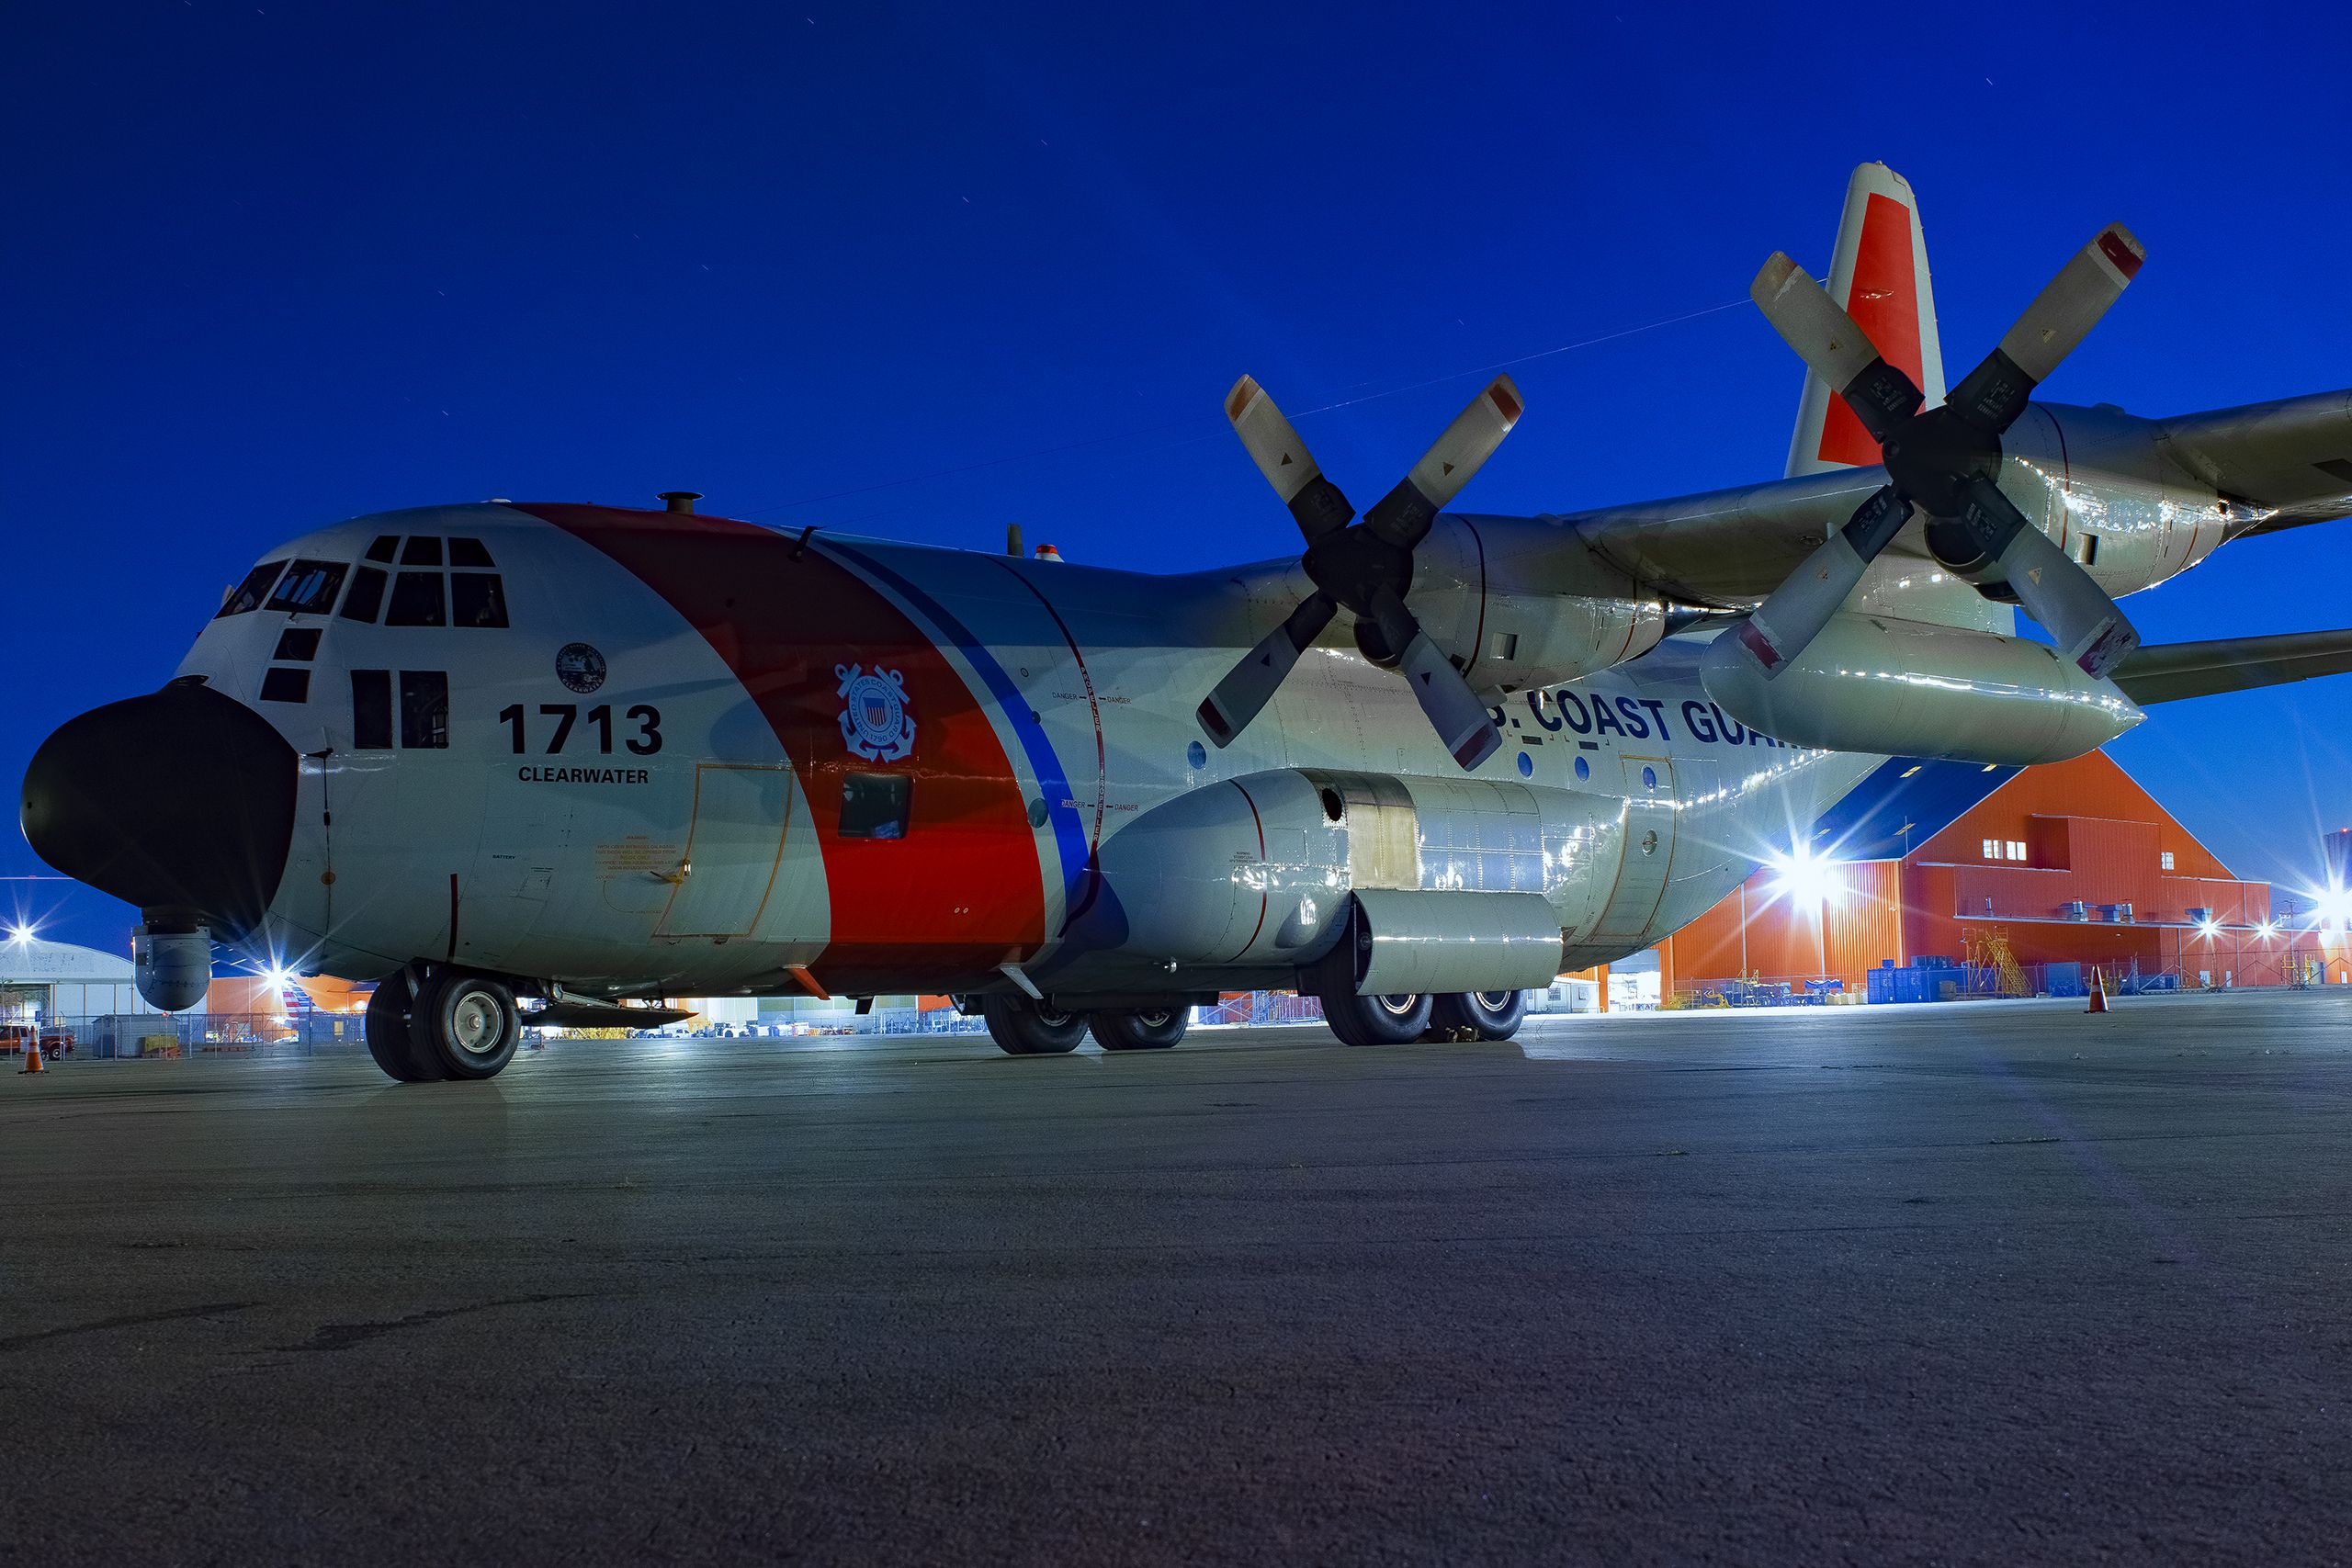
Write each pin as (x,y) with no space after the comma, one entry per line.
(32,1056)
(2098,993)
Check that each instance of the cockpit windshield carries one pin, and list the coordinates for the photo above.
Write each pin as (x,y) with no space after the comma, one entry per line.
(248,595)
(309,587)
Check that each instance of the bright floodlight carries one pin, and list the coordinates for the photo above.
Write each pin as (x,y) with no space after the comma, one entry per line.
(1803,877)
(20,932)
(2207,928)
(2331,907)
(277,976)
(2265,930)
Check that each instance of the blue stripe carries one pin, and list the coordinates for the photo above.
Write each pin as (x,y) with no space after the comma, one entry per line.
(1052,783)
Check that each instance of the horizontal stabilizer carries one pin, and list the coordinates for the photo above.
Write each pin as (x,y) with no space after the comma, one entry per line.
(2179,670)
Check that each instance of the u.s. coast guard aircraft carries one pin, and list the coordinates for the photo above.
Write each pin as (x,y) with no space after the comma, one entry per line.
(584,754)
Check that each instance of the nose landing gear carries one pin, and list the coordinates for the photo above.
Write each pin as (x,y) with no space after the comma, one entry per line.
(424,1025)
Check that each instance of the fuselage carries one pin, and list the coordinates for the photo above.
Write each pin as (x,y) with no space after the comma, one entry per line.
(636,753)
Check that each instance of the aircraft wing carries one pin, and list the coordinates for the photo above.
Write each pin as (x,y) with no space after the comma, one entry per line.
(2293,457)
(2174,670)
(1727,548)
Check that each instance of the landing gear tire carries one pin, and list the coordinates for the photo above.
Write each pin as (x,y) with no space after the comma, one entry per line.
(1377,1021)
(392,1036)
(468,1025)
(1022,1028)
(1488,1015)
(1153,1029)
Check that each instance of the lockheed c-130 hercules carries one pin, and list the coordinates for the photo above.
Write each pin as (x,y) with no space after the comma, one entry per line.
(598,756)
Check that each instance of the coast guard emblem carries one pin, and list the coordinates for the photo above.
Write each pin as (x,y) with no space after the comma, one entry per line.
(875,721)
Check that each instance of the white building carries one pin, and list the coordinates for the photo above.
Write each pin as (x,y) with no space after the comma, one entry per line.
(52,980)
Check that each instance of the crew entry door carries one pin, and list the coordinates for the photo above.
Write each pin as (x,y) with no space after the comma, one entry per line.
(1647,861)
(733,849)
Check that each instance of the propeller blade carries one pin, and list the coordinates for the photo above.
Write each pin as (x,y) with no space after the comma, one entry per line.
(1250,684)
(1992,395)
(1836,350)
(1463,723)
(1283,458)
(1403,516)
(1798,609)
(2087,624)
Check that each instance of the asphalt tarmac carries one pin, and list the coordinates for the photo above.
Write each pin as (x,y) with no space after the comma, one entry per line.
(1989,1284)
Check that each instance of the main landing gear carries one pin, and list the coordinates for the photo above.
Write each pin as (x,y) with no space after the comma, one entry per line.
(426,1024)
(1394,1020)
(1022,1027)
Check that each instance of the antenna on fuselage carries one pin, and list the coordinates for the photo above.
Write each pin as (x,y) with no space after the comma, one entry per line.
(1012,541)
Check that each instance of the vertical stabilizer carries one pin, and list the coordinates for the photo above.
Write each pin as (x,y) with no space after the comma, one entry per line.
(1879,273)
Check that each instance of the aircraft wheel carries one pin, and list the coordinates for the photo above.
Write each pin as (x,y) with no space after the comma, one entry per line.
(470,1024)
(1153,1029)
(1490,1015)
(1021,1028)
(1377,1021)
(392,1037)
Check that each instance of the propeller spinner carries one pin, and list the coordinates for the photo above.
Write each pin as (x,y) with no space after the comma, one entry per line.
(1943,460)
(1364,566)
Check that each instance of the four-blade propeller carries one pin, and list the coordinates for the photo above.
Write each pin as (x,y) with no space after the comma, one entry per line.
(1945,460)
(1364,566)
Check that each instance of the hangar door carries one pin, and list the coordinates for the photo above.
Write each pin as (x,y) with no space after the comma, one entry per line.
(733,849)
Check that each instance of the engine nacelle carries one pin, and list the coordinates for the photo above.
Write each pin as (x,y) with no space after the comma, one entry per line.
(1520,603)
(1907,689)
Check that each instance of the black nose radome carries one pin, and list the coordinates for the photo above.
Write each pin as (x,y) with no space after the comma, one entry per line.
(180,802)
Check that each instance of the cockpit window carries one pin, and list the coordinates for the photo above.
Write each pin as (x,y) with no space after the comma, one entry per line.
(384,549)
(477,599)
(248,595)
(468,552)
(367,596)
(416,599)
(308,588)
(423,549)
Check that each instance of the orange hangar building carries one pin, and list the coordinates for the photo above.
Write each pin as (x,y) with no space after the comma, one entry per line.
(2063,865)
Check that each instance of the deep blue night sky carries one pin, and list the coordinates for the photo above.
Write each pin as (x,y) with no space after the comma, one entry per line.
(269,266)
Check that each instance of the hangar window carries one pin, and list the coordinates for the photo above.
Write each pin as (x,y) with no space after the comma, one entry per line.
(298,642)
(475,598)
(1992,849)
(281,685)
(424,709)
(309,587)
(422,550)
(468,552)
(2164,859)
(2017,849)
(367,596)
(417,600)
(248,595)
(874,805)
(386,546)
(371,709)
